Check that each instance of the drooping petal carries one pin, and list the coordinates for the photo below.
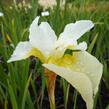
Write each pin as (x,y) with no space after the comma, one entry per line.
(21,51)
(89,65)
(75,30)
(83,62)
(42,37)
(78,80)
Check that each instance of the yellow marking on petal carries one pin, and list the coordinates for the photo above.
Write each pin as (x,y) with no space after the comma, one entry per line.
(65,61)
(71,47)
(68,60)
(35,52)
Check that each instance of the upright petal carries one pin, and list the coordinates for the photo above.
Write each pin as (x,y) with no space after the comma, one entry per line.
(75,30)
(21,51)
(78,80)
(42,36)
(72,32)
(34,25)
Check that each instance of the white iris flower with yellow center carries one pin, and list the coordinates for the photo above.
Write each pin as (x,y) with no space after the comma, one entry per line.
(82,70)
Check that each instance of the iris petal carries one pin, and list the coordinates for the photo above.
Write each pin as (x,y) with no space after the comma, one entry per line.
(78,80)
(21,51)
(42,37)
(75,30)
(83,62)
(89,65)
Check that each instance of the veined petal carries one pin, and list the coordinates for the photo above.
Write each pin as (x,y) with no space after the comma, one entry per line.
(78,80)
(42,37)
(75,30)
(89,65)
(21,51)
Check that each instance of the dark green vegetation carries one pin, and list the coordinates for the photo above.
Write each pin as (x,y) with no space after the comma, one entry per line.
(22,84)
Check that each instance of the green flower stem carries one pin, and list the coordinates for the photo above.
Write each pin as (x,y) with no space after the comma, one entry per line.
(67,93)
(75,99)
(66,88)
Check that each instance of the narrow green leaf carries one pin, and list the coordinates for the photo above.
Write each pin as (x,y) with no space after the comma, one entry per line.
(25,92)
(12,96)
(91,46)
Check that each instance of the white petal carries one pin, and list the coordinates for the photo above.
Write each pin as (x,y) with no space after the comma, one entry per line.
(78,80)
(61,46)
(82,46)
(34,25)
(70,44)
(72,32)
(42,37)
(76,30)
(89,65)
(21,51)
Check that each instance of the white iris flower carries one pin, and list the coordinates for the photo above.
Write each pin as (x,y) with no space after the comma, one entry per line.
(82,70)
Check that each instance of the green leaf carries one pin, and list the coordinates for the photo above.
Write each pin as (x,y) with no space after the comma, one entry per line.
(107,107)
(12,96)
(25,92)
(91,46)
